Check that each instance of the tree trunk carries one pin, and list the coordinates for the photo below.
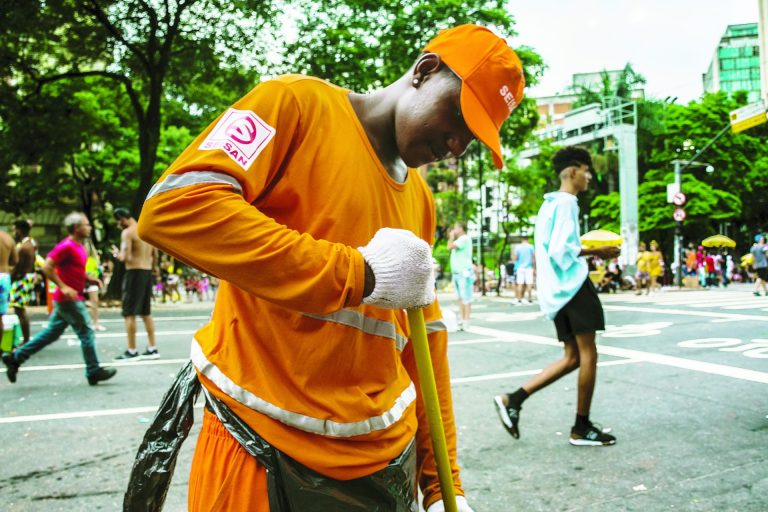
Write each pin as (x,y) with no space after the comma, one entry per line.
(149,139)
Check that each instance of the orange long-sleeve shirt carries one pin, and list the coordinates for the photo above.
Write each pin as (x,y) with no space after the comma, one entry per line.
(273,198)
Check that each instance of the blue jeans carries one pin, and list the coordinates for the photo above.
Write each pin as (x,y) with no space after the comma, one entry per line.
(64,314)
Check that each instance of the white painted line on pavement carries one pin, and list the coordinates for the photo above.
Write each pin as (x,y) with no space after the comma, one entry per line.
(80,366)
(498,376)
(122,334)
(684,312)
(154,317)
(81,414)
(649,357)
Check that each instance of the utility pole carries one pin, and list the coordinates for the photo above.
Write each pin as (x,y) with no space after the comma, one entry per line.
(680,166)
(482,216)
(678,231)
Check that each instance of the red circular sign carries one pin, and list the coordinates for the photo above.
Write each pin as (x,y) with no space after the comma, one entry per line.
(678,199)
(679,215)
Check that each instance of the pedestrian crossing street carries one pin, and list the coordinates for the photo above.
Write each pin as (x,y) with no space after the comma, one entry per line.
(720,299)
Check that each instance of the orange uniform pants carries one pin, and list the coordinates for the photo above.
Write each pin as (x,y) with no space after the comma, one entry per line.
(224,477)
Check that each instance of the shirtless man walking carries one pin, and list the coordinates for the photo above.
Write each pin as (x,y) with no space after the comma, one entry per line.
(23,275)
(140,259)
(8,259)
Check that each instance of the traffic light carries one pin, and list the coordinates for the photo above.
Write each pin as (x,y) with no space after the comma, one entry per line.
(487,224)
(488,197)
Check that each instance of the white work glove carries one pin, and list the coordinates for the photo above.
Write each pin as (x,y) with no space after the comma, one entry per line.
(461,505)
(402,265)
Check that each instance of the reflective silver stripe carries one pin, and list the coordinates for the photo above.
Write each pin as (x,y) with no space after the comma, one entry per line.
(187,179)
(368,325)
(306,423)
(436,326)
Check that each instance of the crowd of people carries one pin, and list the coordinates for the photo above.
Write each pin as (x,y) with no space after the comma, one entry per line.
(702,268)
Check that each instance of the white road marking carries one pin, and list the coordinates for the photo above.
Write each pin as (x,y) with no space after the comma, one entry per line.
(80,366)
(155,318)
(685,312)
(101,335)
(498,376)
(648,357)
(81,414)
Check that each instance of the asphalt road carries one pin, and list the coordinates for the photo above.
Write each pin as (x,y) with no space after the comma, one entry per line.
(683,382)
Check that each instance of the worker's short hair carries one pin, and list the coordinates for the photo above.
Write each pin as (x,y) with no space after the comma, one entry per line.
(571,155)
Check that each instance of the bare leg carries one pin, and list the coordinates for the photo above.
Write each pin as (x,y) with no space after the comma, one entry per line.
(149,325)
(587,371)
(554,371)
(130,329)
(93,298)
(519,292)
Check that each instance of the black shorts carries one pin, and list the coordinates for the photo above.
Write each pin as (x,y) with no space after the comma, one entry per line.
(137,292)
(762,273)
(583,314)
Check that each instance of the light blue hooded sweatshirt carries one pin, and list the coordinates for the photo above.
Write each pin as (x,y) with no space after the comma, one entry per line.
(560,271)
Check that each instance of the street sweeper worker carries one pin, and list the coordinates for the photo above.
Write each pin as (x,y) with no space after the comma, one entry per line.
(304,199)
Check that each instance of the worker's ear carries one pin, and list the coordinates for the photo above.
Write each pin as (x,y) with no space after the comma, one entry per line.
(427,65)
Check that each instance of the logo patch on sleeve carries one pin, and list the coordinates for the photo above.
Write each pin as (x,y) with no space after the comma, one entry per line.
(241,134)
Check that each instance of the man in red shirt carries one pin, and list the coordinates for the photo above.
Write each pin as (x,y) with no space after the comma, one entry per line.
(65,266)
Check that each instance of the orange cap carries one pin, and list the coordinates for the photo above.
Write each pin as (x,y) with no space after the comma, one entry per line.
(491,75)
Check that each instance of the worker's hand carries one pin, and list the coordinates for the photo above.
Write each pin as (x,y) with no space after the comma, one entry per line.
(402,268)
(461,505)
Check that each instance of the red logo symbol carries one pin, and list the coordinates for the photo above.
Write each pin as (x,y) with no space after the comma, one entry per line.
(242,130)
(679,215)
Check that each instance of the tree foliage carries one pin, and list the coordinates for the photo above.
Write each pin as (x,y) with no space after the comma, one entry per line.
(151,52)
(116,88)
(734,193)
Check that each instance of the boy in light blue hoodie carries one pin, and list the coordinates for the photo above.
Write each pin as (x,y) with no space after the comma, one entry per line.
(567,296)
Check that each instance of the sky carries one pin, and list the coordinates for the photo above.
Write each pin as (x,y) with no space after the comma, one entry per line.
(669,42)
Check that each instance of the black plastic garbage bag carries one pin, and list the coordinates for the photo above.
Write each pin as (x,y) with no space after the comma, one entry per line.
(292,487)
(156,458)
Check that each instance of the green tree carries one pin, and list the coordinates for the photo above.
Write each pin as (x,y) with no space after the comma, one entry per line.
(150,51)
(734,193)
(619,86)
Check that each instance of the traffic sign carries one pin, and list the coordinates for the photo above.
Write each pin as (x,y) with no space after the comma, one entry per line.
(672,189)
(679,215)
(748,116)
(678,199)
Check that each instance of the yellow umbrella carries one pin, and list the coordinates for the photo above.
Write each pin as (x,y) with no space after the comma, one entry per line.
(599,238)
(747,259)
(718,241)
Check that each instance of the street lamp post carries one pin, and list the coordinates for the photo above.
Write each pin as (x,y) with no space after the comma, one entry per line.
(679,166)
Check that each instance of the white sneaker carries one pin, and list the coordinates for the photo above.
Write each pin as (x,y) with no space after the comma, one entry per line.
(465,325)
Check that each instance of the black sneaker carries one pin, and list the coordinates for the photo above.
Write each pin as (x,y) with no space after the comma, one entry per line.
(509,416)
(591,436)
(150,354)
(12,365)
(127,356)
(101,375)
